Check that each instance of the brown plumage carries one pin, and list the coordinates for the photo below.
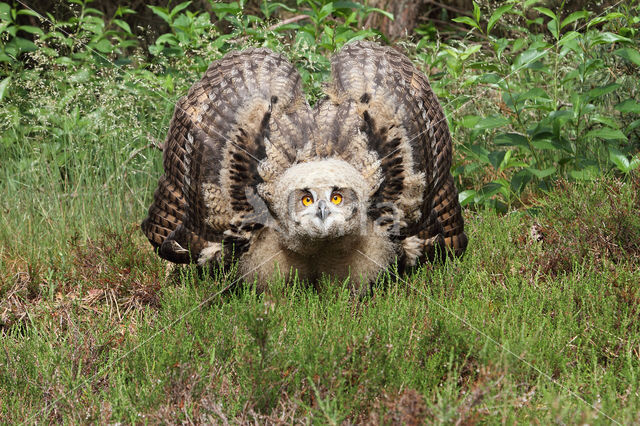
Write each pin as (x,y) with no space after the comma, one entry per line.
(246,126)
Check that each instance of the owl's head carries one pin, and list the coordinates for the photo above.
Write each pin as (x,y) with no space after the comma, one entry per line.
(319,201)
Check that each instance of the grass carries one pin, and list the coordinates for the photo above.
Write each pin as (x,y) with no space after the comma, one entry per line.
(537,323)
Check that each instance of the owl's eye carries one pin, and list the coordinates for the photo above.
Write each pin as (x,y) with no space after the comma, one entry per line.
(336,198)
(307,200)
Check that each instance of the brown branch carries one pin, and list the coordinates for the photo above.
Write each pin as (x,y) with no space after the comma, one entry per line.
(288,21)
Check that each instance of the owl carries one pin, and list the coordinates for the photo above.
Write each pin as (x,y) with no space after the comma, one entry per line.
(255,177)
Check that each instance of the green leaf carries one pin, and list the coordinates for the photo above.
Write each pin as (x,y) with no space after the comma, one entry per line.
(518,44)
(123,24)
(541,174)
(469,121)
(103,46)
(492,122)
(631,55)
(497,14)
(553,28)
(167,38)
(468,21)
(569,36)
(92,11)
(633,125)
(5,12)
(223,9)
(24,45)
(520,180)
(3,87)
(562,143)
(480,153)
(606,120)
(470,51)
(543,144)
(581,14)
(31,29)
(619,159)
(606,133)
(599,19)
(488,78)
(511,139)
(178,8)
(608,38)
(536,94)
(347,5)
(161,12)
(476,11)
(326,10)
(546,11)
(629,106)
(490,189)
(123,10)
(506,160)
(496,158)
(381,12)
(603,90)
(527,57)
(561,115)
(465,197)
(29,12)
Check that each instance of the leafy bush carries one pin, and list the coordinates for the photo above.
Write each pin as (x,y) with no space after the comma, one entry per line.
(555,102)
(532,95)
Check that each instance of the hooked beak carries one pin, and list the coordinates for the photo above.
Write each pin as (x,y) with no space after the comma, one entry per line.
(323,211)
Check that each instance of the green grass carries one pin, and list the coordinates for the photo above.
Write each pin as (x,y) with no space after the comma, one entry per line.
(94,329)
(539,322)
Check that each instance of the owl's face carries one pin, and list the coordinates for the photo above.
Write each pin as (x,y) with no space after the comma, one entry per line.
(319,201)
(324,212)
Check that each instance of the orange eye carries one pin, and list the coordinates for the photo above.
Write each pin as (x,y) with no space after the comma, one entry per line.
(307,200)
(336,198)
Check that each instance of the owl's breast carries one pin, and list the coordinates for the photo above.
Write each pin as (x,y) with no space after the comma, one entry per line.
(359,258)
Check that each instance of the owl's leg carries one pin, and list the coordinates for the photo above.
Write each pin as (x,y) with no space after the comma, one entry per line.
(435,248)
(211,252)
(436,241)
(428,244)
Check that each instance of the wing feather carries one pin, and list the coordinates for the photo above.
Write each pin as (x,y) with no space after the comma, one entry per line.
(384,96)
(217,138)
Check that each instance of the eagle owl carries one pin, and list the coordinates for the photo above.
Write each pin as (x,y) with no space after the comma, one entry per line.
(254,175)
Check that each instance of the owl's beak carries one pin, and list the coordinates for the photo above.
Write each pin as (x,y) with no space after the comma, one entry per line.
(323,211)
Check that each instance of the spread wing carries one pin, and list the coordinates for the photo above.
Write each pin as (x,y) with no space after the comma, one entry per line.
(380,107)
(248,106)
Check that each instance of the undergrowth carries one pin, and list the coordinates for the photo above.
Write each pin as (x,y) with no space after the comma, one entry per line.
(533,312)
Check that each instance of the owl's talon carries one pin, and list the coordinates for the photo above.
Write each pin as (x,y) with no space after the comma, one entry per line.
(212,252)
